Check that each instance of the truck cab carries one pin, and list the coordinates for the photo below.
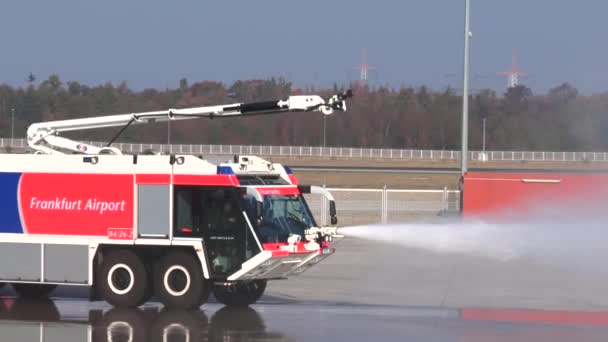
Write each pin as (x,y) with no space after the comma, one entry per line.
(258,227)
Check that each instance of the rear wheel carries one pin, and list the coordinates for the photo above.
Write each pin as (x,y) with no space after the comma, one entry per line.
(179,281)
(122,279)
(240,294)
(33,290)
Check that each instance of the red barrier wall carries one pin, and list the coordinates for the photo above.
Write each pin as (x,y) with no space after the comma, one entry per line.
(524,194)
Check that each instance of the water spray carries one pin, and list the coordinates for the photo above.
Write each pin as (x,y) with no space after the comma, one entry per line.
(573,244)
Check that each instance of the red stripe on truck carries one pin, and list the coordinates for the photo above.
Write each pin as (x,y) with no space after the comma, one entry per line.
(293,179)
(268,191)
(153,179)
(211,180)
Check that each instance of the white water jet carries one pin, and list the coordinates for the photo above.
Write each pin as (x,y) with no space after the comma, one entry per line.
(581,244)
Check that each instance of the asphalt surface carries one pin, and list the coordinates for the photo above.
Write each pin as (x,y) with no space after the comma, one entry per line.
(367,291)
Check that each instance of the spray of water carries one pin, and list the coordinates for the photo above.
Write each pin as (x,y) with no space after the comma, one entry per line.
(569,242)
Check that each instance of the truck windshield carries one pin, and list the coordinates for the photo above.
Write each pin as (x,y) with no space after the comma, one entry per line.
(284,215)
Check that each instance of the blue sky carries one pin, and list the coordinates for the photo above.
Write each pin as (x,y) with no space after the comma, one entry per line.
(413,42)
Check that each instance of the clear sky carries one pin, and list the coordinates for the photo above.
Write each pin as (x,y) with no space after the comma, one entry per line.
(154,43)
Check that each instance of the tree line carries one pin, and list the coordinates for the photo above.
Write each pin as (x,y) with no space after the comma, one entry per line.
(377,117)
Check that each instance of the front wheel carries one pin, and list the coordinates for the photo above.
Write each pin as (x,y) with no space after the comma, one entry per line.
(122,279)
(240,294)
(179,281)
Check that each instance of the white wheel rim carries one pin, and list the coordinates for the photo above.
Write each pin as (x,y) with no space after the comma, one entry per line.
(111,283)
(168,287)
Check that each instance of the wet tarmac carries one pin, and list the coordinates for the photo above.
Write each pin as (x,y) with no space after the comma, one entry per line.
(75,320)
(366,292)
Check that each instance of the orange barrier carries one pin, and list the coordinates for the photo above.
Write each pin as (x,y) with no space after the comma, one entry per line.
(522,194)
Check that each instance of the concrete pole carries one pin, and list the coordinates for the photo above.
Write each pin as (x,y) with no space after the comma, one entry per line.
(483,145)
(465,92)
(12,124)
(324,129)
(169,136)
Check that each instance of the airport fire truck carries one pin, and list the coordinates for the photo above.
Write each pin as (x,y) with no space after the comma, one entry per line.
(174,226)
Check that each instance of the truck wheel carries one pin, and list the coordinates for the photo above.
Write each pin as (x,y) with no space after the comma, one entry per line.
(122,279)
(179,281)
(33,290)
(240,294)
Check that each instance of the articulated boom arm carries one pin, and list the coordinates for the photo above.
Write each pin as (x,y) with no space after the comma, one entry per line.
(44,136)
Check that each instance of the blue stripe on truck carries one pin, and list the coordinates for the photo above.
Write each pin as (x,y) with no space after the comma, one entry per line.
(10,221)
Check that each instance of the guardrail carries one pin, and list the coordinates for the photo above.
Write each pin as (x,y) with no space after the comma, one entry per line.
(369,206)
(343,152)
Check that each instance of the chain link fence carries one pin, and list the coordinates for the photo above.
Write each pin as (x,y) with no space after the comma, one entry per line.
(343,152)
(369,206)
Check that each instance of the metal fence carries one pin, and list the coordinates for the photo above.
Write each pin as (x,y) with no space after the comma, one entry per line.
(342,152)
(368,206)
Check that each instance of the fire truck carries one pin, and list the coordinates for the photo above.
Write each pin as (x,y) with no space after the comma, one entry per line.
(176,227)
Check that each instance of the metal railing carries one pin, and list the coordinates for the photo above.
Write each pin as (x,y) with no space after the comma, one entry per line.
(369,206)
(342,152)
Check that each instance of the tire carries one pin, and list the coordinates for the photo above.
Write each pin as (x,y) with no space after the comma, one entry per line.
(179,282)
(122,279)
(241,294)
(36,291)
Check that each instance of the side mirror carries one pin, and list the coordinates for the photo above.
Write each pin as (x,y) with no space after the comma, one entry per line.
(332,212)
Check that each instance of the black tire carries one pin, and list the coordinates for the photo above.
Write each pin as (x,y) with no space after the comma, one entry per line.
(179,282)
(33,290)
(122,279)
(240,294)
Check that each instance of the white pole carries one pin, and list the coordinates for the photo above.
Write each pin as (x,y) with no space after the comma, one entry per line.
(465,88)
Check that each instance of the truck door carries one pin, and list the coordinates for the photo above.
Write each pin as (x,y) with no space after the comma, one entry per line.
(214,214)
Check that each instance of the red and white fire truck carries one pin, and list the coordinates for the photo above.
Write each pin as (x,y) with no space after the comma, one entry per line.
(173,226)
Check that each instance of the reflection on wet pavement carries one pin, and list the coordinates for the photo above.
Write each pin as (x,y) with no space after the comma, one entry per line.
(76,320)
(22,320)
